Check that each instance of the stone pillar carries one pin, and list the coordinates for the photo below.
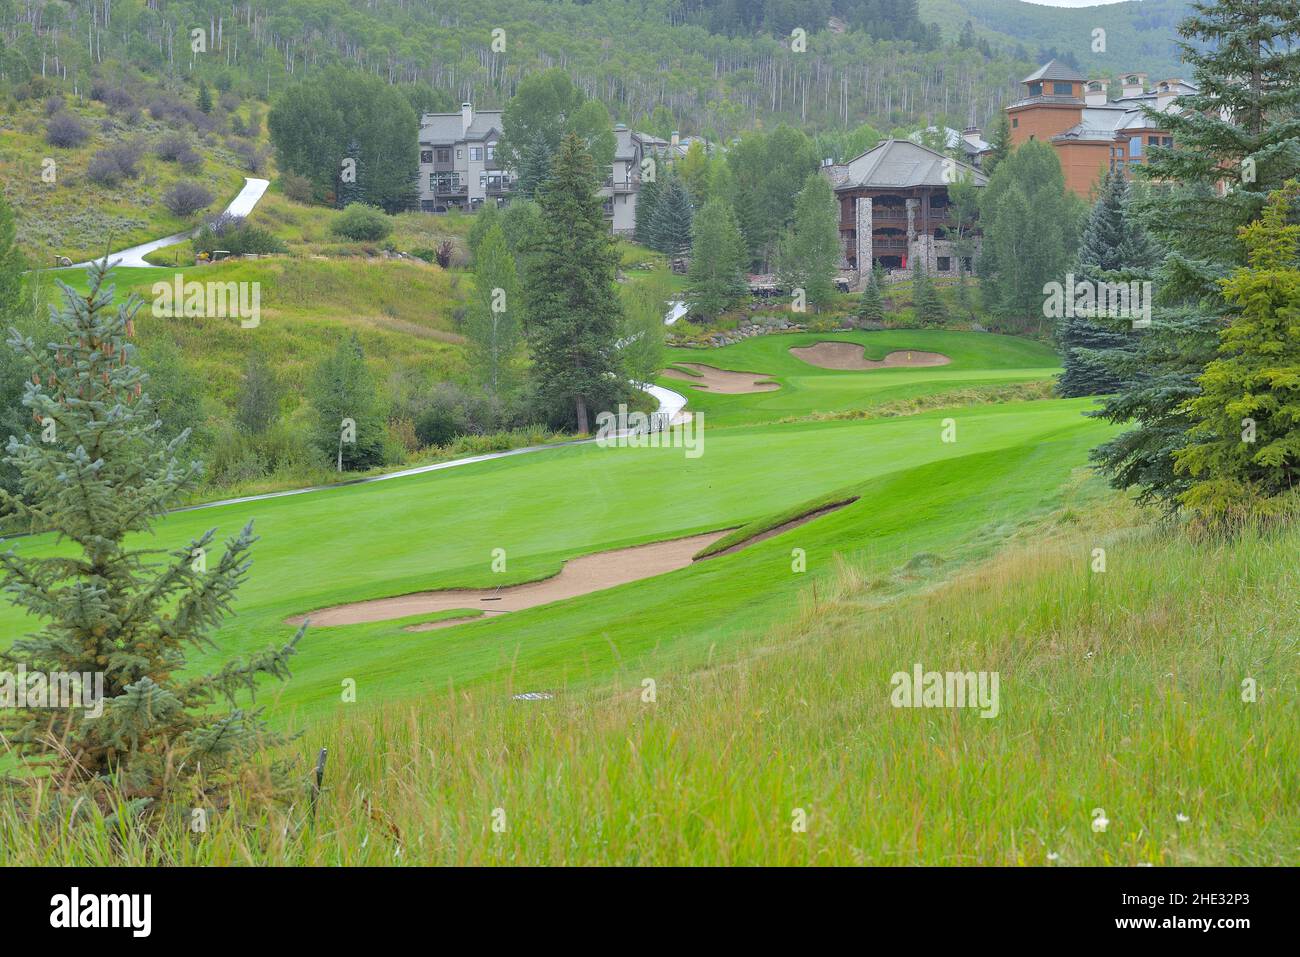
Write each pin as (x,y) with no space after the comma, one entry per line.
(864,237)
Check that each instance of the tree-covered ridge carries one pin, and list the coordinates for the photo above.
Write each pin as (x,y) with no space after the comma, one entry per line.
(634,55)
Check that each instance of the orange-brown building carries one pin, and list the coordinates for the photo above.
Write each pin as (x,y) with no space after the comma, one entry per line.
(1091,132)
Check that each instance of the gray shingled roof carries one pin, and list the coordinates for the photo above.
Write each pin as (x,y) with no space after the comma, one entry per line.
(1055,70)
(901,164)
(445,128)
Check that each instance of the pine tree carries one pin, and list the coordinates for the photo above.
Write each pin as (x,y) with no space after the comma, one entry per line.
(1113,244)
(926,302)
(670,227)
(259,396)
(492,324)
(534,167)
(95,472)
(349,427)
(873,302)
(647,199)
(1246,68)
(16,309)
(999,145)
(1245,441)
(350,178)
(205,98)
(717,275)
(573,305)
(809,256)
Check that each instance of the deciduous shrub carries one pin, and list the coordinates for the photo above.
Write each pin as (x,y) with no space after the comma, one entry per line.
(65,131)
(362,223)
(187,198)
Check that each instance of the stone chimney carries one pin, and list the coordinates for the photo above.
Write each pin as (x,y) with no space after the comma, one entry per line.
(1135,84)
(972,135)
(466,118)
(677,139)
(1096,93)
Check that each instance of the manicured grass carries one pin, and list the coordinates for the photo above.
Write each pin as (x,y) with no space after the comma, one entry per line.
(439,530)
(978,359)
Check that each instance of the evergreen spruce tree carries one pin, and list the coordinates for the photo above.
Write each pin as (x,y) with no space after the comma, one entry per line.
(95,471)
(574,311)
(534,167)
(873,302)
(670,227)
(16,309)
(926,301)
(492,324)
(647,199)
(350,179)
(349,428)
(259,396)
(1245,68)
(205,98)
(999,145)
(1245,439)
(1113,245)
(717,274)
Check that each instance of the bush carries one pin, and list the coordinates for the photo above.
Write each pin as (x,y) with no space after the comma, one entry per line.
(234,234)
(53,105)
(65,131)
(362,223)
(297,188)
(190,161)
(171,147)
(117,100)
(109,167)
(187,198)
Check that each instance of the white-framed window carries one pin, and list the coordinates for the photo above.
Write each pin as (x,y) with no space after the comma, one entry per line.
(460,153)
(492,151)
(476,154)
(482,180)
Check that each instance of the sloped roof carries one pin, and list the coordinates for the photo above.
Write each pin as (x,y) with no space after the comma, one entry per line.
(900,164)
(1055,70)
(446,127)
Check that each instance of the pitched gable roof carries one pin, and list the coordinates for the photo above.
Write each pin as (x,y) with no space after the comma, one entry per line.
(902,164)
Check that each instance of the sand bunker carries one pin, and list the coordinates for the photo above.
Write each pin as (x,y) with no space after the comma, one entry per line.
(579,576)
(722,380)
(849,356)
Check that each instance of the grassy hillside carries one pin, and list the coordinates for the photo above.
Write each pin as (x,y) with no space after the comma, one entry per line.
(402,310)
(76,217)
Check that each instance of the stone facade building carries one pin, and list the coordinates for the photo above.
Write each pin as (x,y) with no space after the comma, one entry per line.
(894,207)
(458,160)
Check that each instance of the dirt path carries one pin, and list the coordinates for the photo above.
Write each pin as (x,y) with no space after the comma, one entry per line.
(579,576)
(722,380)
(846,356)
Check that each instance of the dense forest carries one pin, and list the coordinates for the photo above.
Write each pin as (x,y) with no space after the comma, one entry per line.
(715,66)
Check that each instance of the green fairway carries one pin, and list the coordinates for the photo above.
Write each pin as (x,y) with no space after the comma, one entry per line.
(978,359)
(918,494)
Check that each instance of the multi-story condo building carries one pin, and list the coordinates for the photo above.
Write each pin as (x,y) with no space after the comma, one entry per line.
(894,208)
(459,167)
(1090,132)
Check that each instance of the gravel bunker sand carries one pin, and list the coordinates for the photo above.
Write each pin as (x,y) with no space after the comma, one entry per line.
(579,576)
(849,356)
(722,380)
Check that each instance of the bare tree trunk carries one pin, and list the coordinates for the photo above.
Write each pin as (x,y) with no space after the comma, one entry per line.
(582,414)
